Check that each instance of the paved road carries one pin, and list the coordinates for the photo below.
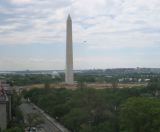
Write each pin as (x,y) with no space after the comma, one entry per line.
(49,125)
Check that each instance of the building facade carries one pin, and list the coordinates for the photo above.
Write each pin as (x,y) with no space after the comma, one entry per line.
(5,104)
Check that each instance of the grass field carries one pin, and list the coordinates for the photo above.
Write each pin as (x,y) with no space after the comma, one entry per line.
(90,85)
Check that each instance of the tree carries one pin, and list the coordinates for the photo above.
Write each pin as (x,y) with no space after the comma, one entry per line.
(34,119)
(140,114)
(15,129)
(154,87)
(47,85)
(81,84)
(114,83)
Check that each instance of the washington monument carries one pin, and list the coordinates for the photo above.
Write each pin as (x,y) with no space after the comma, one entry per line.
(69,79)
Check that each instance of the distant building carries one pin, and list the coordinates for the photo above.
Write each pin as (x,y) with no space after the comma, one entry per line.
(5,104)
(139,80)
(147,80)
(55,74)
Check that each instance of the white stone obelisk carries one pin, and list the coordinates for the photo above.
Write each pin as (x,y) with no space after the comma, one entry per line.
(69,79)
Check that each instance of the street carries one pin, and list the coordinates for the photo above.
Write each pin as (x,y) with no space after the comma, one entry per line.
(49,125)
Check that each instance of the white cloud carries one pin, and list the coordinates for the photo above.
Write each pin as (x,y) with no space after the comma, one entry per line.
(115,62)
(31,63)
(21,1)
(104,24)
(91,19)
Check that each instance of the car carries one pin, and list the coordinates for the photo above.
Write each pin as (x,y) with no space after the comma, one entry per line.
(31,129)
(33,107)
(34,129)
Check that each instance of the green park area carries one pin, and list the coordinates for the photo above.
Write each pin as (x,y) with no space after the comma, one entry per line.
(102,110)
(87,109)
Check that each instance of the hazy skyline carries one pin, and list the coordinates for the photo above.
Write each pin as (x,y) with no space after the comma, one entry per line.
(118,33)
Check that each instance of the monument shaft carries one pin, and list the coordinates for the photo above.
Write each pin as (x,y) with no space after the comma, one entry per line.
(69,53)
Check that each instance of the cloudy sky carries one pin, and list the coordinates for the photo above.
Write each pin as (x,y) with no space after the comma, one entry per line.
(118,33)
